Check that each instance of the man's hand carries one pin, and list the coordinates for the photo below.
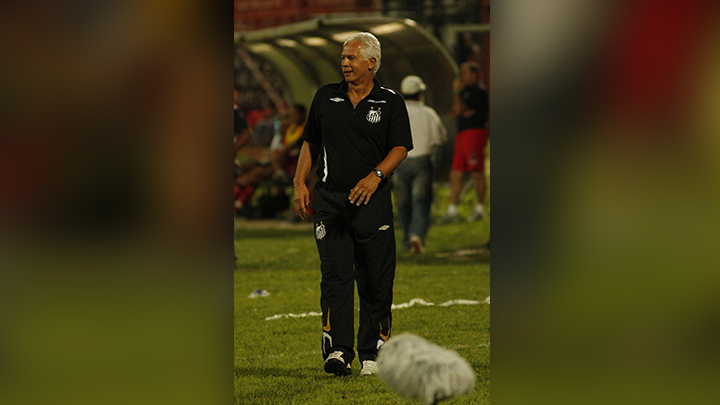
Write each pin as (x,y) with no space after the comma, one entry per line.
(301,196)
(364,189)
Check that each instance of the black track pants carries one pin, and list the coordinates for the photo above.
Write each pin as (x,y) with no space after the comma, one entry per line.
(356,244)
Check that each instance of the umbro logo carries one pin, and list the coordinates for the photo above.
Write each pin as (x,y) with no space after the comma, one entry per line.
(384,228)
(337,99)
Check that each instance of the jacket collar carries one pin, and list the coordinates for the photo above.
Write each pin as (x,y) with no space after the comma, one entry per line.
(374,93)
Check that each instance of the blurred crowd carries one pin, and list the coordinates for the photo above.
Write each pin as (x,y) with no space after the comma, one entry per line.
(267,145)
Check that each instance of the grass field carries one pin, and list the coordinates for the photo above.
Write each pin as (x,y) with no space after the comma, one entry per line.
(278,361)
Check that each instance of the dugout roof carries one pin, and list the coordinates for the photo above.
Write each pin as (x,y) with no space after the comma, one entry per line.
(306,55)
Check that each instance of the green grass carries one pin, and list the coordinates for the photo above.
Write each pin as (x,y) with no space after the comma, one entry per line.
(279,361)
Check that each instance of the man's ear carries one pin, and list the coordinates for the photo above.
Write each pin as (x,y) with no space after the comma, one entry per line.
(371,63)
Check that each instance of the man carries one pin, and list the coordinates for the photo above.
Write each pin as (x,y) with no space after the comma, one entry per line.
(412,182)
(242,131)
(242,136)
(284,157)
(363,132)
(281,155)
(471,110)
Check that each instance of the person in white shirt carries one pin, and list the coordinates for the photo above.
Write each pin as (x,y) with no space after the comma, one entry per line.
(412,180)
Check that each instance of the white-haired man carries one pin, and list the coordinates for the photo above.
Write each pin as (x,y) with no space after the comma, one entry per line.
(363,132)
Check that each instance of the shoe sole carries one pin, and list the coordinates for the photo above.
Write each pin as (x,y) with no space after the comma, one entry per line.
(337,367)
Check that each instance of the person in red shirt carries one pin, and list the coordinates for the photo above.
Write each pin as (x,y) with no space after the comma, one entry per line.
(471,109)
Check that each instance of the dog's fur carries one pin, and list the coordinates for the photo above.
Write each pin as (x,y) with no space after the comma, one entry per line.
(418,369)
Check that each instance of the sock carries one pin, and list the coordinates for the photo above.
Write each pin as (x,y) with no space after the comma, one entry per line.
(479,208)
(452,210)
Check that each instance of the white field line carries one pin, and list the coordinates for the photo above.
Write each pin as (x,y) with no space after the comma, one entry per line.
(414,301)
(466,346)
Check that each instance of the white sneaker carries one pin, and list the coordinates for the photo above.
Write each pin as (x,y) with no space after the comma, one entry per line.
(369,367)
(335,364)
(416,245)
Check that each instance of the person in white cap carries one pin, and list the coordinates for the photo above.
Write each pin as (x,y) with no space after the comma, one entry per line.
(412,182)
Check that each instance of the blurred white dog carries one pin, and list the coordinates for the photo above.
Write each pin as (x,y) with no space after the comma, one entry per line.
(418,369)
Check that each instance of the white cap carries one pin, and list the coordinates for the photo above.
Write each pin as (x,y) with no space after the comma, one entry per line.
(412,85)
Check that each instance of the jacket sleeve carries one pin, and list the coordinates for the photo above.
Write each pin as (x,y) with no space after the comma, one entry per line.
(399,130)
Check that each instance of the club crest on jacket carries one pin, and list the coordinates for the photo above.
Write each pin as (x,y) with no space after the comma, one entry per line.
(373,115)
(320,231)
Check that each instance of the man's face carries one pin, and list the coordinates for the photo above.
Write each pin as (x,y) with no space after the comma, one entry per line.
(354,66)
(467,76)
